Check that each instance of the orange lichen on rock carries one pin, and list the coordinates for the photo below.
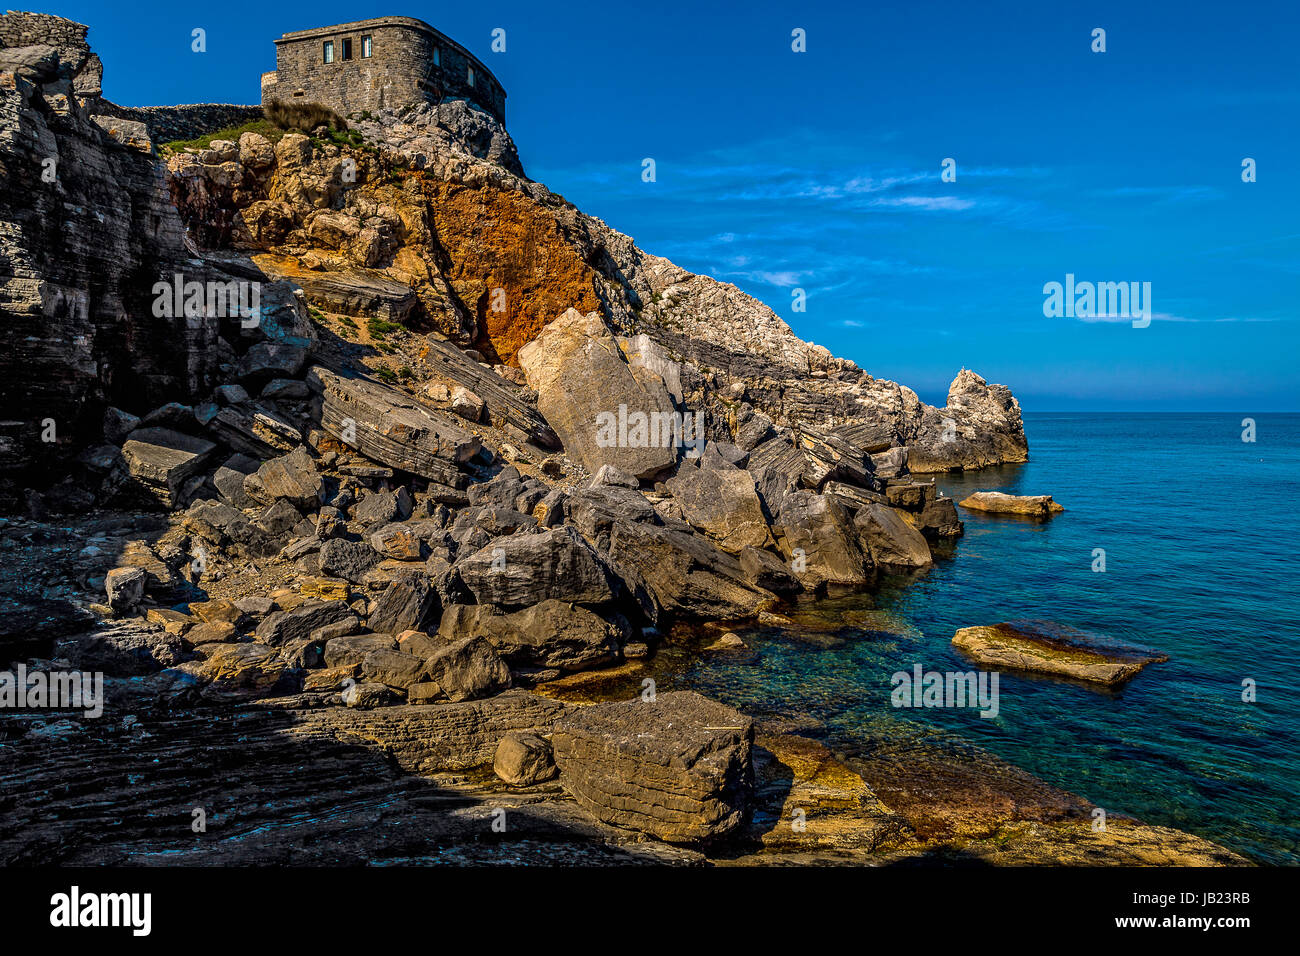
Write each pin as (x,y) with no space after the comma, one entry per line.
(501,240)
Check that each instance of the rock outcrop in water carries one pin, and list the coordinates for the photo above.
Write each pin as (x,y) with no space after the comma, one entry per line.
(996,502)
(1044,647)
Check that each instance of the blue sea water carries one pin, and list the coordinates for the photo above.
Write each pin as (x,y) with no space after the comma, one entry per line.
(1201,562)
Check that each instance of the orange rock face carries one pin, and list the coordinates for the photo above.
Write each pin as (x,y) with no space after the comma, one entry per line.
(498,240)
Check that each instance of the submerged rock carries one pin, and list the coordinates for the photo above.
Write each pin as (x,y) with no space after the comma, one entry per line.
(1045,647)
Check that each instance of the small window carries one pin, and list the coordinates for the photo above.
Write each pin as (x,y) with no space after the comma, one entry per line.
(347,48)
(471,76)
(329,51)
(365,47)
(437,57)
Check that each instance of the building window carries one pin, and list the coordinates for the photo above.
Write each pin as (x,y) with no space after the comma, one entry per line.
(329,51)
(437,57)
(365,47)
(471,76)
(347,48)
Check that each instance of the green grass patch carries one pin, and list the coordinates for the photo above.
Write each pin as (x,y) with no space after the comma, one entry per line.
(261,126)
(378,328)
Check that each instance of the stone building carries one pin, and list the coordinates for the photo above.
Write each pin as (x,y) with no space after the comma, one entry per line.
(370,64)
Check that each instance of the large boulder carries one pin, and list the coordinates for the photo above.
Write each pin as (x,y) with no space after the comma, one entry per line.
(604,412)
(669,569)
(889,539)
(549,634)
(765,570)
(292,477)
(237,671)
(523,759)
(125,650)
(162,461)
(526,569)
(938,520)
(468,669)
(349,560)
(389,426)
(678,767)
(228,529)
(818,536)
(723,503)
(283,627)
(124,588)
(403,606)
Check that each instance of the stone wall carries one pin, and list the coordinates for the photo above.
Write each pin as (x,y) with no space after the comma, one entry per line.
(410,63)
(167,123)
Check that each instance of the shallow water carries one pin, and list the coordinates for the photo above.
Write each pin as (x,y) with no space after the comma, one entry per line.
(1200,563)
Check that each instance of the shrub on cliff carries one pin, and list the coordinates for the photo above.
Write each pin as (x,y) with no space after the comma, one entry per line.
(303,116)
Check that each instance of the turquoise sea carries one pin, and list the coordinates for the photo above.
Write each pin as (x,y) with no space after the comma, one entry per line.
(1201,562)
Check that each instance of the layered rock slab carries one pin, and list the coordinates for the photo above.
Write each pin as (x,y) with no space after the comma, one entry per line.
(678,768)
(389,427)
(1057,650)
(997,502)
(426,738)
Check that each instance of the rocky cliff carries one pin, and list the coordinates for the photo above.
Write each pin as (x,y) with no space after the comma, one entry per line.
(439,204)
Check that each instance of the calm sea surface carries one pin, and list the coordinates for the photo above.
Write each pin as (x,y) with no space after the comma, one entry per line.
(1198,529)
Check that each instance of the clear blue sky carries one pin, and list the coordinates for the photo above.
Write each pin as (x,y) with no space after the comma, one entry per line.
(821,170)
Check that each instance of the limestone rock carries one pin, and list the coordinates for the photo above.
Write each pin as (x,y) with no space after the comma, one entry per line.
(890,541)
(818,536)
(441,736)
(1046,647)
(163,460)
(526,569)
(124,588)
(765,570)
(548,634)
(468,669)
(583,378)
(349,560)
(1033,506)
(678,768)
(523,759)
(292,477)
(403,606)
(281,627)
(671,570)
(125,650)
(390,427)
(724,504)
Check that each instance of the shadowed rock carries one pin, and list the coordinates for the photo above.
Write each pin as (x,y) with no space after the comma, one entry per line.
(678,768)
(389,426)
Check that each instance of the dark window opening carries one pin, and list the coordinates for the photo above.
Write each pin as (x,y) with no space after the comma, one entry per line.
(347,48)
